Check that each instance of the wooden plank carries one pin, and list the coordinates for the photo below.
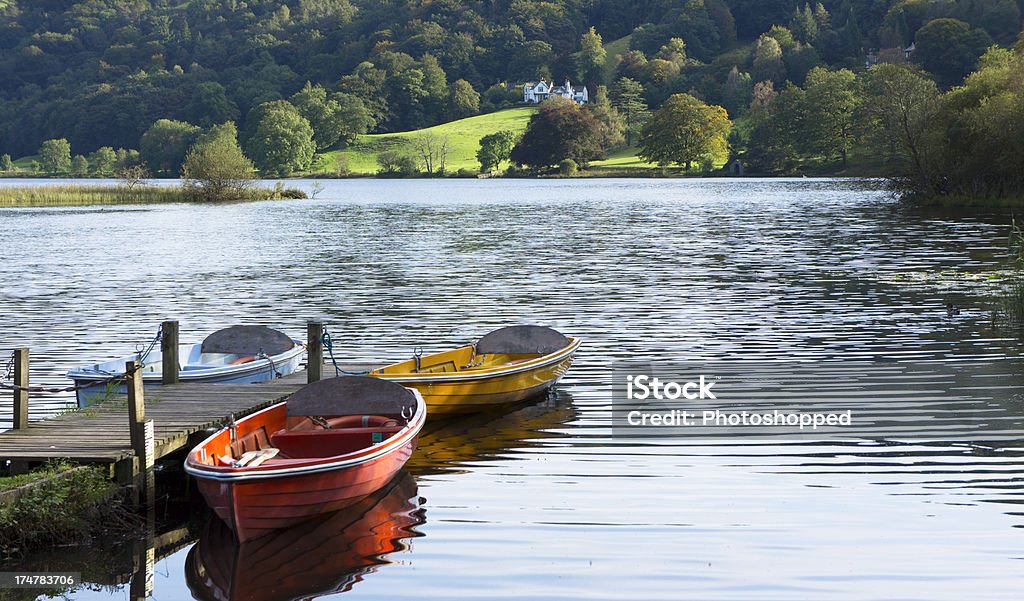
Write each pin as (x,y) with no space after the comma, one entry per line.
(103,433)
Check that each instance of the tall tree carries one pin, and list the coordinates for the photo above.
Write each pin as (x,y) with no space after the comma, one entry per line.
(627,96)
(831,103)
(164,145)
(332,117)
(495,149)
(559,130)
(464,101)
(901,103)
(55,156)
(949,49)
(768,65)
(685,130)
(282,142)
(591,57)
(79,166)
(103,160)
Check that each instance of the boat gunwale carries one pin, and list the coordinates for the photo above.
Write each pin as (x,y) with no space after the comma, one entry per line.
(313,465)
(79,374)
(482,374)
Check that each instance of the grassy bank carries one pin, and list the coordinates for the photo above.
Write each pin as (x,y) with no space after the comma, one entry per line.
(463,142)
(59,503)
(84,195)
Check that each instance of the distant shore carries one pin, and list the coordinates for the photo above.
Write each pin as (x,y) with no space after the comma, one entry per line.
(57,195)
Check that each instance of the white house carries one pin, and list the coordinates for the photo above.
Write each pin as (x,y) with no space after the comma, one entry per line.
(539,92)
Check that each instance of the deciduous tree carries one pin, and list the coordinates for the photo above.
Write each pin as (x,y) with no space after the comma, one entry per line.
(282,142)
(55,156)
(495,149)
(685,130)
(103,160)
(949,49)
(559,130)
(164,145)
(216,168)
(79,166)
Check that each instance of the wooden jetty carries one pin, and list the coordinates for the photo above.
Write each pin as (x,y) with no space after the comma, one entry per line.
(129,433)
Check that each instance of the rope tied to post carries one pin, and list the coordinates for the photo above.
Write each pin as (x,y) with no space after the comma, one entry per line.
(329,345)
(118,378)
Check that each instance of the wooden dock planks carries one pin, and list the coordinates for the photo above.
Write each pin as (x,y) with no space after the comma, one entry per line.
(100,434)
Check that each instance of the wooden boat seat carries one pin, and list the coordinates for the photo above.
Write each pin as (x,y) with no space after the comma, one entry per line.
(305,443)
(254,441)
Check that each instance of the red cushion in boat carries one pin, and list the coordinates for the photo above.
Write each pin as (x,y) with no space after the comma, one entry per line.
(328,443)
(242,360)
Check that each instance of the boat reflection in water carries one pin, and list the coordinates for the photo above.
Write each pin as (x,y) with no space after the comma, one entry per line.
(318,557)
(331,554)
(450,445)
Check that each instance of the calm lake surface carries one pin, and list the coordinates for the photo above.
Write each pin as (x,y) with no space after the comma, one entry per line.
(544,502)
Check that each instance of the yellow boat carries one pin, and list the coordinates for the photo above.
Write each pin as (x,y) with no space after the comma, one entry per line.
(507,366)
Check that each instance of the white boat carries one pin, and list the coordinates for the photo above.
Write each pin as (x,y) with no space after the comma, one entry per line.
(235,355)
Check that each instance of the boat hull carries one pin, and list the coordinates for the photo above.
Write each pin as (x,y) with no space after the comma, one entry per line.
(254,372)
(257,507)
(466,392)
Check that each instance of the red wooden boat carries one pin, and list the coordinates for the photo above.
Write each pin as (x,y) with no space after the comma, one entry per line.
(328,445)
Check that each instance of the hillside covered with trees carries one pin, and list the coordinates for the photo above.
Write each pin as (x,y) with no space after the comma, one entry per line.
(152,75)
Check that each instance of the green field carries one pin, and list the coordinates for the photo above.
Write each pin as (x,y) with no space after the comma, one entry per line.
(463,141)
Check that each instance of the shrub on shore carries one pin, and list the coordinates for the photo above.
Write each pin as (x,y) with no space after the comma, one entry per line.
(60,503)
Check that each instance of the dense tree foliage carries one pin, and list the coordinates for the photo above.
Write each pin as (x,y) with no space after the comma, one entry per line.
(165,143)
(101,73)
(685,130)
(949,49)
(495,149)
(559,130)
(55,156)
(282,140)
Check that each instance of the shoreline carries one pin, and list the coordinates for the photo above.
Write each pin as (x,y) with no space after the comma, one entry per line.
(112,194)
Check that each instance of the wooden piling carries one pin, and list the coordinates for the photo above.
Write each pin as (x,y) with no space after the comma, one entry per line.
(314,351)
(21,396)
(136,409)
(169,349)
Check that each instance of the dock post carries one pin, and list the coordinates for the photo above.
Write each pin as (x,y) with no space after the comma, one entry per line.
(141,432)
(169,349)
(314,351)
(21,396)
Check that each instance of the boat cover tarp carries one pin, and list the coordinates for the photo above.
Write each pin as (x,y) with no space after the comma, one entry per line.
(247,340)
(519,340)
(351,395)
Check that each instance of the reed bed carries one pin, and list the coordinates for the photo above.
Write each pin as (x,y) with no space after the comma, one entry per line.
(85,195)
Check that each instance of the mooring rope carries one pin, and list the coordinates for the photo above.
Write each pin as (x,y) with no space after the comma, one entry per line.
(329,345)
(118,377)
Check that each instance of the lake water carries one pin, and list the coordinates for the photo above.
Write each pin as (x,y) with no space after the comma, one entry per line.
(545,502)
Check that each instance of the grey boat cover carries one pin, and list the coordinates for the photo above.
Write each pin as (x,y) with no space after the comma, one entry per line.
(521,340)
(247,340)
(351,395)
